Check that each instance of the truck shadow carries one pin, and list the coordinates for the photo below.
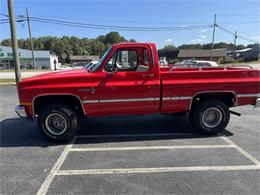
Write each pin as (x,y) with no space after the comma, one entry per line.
(18,132)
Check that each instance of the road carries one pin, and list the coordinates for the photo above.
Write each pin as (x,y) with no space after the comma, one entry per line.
(157,154)
(11,75)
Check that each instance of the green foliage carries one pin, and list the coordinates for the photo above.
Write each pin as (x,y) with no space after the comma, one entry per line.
(169,47)
(190,46)
(229,46)
(71,45)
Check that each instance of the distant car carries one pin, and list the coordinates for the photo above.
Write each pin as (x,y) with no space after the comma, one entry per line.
(196,63)
(90,64)
(163,61)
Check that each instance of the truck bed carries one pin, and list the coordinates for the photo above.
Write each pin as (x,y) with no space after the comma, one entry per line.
(182,84)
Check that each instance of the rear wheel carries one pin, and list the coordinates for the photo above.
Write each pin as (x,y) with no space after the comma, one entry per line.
(58,122)
(210,117)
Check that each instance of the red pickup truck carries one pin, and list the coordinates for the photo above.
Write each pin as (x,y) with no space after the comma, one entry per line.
(128,80)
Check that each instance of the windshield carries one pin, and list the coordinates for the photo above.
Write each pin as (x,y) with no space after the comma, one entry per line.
(96,67)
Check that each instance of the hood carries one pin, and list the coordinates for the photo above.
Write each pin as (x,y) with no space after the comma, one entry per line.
(60,73)
(66,76)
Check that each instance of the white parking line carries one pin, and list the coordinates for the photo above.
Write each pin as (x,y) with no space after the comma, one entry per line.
(68,148)
(47,182)
(149,148)
(242,151)
(137,135)
(157,170)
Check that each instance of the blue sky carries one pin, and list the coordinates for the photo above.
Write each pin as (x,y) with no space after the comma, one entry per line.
(240,15)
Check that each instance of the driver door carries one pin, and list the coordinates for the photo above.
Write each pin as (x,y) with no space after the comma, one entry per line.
(129,84)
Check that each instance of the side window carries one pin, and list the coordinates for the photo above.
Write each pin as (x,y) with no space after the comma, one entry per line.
(109,67)
(126,60)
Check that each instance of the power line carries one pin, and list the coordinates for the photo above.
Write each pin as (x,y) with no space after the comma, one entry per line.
(98,26)
(239,22)
(121,20)
(4,22)
(236,34)
(113,27)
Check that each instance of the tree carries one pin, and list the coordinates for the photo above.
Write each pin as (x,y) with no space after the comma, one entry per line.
(169,47)
(132,40)
(113,37)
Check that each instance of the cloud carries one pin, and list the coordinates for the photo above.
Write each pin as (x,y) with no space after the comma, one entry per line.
(202,37)
(168,40)
(198,40)
(204,30)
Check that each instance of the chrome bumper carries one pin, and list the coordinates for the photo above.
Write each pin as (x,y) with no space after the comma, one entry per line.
(257,104)
(20,111)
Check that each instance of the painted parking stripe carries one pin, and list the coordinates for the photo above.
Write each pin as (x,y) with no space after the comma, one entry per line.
(137,135)
(47,182)
(242,151)
(157,170)
(149,148)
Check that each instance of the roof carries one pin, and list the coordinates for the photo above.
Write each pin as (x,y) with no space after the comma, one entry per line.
(191,53)
(83,57)
(26,53)
(243,50)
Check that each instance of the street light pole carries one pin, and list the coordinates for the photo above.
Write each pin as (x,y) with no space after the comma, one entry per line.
(14,41)
(30,35)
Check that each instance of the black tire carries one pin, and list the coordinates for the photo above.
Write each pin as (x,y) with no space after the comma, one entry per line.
(58,122)
(210,117)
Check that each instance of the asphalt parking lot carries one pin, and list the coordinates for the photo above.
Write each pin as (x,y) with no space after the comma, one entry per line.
(157,154)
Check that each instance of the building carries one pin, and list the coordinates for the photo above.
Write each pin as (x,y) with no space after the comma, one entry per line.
(202,54)
(247,54)
(82,60)
(43,59)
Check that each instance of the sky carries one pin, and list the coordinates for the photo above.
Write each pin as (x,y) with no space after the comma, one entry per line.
(242,16)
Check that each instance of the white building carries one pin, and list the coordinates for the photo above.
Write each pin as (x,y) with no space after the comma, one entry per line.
(43,59)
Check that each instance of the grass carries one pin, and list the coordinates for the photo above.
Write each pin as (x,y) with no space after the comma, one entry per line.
(241,63)
(7,81)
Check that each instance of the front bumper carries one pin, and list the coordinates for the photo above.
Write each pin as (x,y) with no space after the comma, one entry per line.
(257,104)
(20,111)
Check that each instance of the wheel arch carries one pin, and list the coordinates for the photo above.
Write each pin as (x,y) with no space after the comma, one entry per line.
(45,99)
(228,97)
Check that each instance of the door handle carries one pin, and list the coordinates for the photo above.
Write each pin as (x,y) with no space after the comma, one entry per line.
(148,75)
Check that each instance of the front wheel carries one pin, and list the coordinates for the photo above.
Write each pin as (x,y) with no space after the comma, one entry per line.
(58,122)
(210,117)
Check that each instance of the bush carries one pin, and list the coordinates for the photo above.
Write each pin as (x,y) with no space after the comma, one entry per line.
(173,61)
(227,60)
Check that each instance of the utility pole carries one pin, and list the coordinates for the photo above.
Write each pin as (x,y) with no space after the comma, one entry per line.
(14,41)
(235,42)
(213,37)
(235,38)
(30,35)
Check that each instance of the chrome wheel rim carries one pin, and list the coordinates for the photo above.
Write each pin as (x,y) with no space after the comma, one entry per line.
(56,124)
(212,117)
